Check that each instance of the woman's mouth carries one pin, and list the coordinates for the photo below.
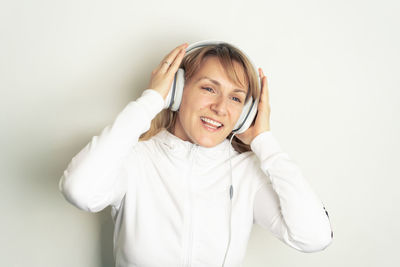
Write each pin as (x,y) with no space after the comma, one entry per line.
(210,124)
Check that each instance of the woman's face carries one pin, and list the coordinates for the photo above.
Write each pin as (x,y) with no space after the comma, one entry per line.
(211,104)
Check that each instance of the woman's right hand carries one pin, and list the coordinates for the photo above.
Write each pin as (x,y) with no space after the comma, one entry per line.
(163,76)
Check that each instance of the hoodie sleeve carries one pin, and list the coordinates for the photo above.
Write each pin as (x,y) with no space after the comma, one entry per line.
(93,179)
(286,204)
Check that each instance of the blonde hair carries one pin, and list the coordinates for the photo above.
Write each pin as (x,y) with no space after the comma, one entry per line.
(191,63)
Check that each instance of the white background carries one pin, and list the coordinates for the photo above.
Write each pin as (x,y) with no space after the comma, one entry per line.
(67,68)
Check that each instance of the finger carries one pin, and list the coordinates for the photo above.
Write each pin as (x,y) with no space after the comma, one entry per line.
(177,61)
(170,57)
(264,88)
(262,80)
(176,49)
(260,73)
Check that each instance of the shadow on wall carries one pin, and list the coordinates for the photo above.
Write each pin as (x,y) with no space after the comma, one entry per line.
(106,237)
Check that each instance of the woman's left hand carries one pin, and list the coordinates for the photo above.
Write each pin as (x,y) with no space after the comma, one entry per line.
(261,123)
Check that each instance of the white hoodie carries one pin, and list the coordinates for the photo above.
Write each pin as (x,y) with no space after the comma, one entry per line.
(170,198)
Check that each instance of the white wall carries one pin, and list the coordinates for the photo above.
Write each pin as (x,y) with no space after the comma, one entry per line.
(68,67)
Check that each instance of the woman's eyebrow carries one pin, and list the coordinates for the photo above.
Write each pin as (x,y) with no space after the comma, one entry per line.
(219,84)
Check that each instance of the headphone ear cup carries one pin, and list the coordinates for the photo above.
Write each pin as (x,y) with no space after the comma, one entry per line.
(175,93)
(247,116)
(242,117)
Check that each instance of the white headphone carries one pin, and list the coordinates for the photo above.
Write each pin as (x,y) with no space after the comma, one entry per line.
(174,97)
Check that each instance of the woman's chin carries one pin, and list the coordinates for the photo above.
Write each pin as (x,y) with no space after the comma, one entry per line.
(207,144)
(210,141)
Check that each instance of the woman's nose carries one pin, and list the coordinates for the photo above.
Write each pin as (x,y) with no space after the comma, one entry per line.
(219,106)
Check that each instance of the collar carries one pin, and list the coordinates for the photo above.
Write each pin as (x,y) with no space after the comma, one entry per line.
(183,148)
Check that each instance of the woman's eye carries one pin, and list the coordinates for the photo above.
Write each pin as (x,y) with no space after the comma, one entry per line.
(208,89)
(237,99)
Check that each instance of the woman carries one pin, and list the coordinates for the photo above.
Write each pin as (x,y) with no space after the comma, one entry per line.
(181,193)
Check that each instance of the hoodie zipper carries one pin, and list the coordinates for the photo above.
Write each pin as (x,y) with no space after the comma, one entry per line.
(188,251)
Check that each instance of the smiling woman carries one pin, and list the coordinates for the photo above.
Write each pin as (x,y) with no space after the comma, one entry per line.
(182,194)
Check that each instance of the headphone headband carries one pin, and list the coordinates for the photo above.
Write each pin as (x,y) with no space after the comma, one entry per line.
(217,42)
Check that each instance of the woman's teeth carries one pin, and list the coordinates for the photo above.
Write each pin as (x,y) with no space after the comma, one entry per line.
(214,123)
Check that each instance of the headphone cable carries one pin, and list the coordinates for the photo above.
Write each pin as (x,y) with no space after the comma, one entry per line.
(230,198)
